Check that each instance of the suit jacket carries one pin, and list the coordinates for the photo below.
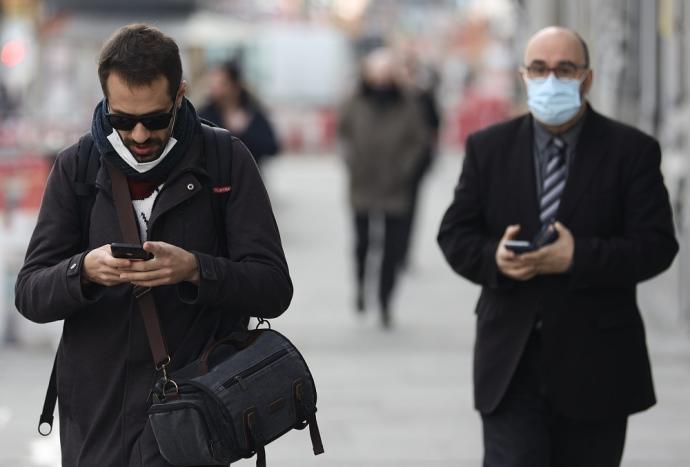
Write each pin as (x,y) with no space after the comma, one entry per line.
(595,361)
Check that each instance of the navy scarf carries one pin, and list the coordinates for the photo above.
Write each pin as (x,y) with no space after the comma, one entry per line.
(186,125)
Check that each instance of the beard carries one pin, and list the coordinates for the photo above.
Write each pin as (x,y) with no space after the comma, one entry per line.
(148,151)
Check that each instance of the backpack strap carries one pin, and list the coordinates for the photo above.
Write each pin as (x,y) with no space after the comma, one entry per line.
(218,144)
(88,163)
(49,403)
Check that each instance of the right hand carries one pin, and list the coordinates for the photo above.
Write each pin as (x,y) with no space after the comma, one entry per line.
(510,263)
(102,268)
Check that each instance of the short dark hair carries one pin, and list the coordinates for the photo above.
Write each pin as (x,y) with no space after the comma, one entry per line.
(140,54)
(233,71)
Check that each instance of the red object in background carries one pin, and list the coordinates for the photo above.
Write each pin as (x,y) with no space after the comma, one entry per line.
(478,111)
(22,181)
(328,122)
(13,53)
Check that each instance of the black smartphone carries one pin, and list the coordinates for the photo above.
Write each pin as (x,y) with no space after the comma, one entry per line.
(129,251)
(519,246)
(547,234)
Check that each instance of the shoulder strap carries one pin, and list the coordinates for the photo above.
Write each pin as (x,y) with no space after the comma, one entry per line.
(130,234)
(218,145)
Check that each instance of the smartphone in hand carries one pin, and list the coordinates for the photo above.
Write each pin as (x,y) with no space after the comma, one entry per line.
(519,246)
(129,251)
(547,234)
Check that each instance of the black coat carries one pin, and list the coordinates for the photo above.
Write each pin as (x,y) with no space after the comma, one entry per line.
(104,365)
(259,136)
(595,358)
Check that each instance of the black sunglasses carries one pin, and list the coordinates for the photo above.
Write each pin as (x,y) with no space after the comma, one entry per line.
(158,121)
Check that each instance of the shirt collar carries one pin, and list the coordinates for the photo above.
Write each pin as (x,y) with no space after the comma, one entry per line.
(542,136)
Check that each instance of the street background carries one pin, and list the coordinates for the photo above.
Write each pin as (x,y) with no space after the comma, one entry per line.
(401,397)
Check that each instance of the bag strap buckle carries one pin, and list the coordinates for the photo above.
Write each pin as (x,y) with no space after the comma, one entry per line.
(141,291)
(261,322)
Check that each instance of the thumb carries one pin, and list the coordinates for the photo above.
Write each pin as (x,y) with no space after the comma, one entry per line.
(560,228)
(152,247)
(511,232)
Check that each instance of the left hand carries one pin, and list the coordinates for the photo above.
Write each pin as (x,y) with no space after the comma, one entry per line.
(556,257)
(170,265)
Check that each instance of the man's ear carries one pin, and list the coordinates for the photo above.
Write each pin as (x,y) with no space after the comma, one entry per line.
(587,83)
(523,79)
(181,91)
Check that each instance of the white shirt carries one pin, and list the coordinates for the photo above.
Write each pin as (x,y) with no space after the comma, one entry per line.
(142,209)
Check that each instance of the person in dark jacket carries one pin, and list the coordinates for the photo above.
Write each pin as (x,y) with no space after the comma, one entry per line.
(233,107)
(147,129)
(384,135)
(560,358)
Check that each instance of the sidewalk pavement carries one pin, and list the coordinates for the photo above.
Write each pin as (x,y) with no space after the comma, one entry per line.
(397,398)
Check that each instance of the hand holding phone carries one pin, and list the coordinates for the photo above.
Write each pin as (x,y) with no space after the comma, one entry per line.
(129,251)
(547,234)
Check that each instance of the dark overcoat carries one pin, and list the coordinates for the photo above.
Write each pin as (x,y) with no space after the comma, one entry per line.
(104,366)
(384,145)
(595,358)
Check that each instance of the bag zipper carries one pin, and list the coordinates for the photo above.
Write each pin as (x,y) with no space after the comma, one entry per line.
(239,377)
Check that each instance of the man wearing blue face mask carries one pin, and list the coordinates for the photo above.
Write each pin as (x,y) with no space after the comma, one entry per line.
(558,215)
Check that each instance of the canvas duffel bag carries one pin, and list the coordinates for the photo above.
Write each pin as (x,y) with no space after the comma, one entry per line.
(243,393)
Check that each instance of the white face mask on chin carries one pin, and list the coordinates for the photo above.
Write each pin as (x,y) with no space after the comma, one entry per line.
(127,156)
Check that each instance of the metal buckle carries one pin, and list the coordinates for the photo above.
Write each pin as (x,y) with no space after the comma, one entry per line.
(261,322)
(163,388)
(141,291)
(163,367)
(168,383)
(164,382)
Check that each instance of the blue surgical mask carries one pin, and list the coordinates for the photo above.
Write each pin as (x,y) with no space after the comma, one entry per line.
(553,101)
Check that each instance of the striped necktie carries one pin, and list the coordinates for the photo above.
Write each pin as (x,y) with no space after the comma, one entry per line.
(554,181)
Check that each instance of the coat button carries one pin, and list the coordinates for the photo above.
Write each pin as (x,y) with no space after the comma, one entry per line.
(190,186)
(73,266)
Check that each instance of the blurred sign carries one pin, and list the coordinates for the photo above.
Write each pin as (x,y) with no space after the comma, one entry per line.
(22,181)
(127,6)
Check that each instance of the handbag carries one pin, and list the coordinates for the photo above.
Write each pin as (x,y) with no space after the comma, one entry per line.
(245,391)
(217,413)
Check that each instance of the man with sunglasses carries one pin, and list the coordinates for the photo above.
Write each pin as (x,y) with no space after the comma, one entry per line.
(560,355)
(147,130)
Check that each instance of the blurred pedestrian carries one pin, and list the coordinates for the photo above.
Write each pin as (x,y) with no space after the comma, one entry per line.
(232,106)
(146,131)
(384,134)
(560,354)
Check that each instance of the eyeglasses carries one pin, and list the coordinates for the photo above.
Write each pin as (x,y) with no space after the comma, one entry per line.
(157,121)
(564,70)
